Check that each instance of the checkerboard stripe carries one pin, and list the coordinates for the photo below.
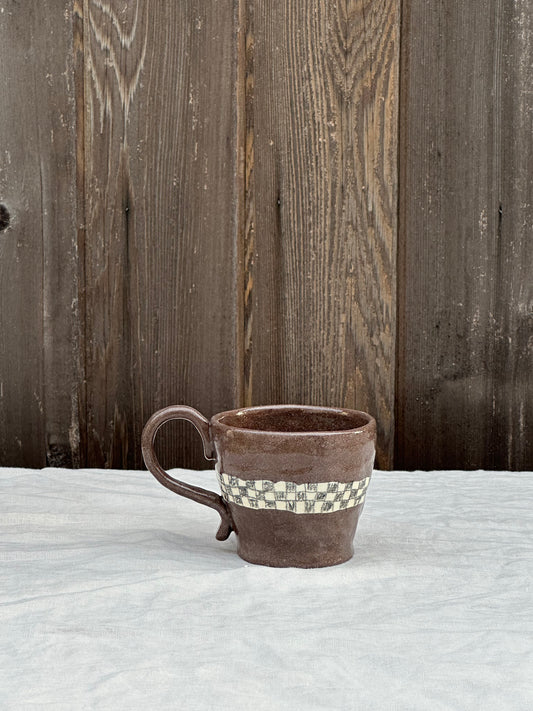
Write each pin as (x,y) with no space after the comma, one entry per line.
(323,497)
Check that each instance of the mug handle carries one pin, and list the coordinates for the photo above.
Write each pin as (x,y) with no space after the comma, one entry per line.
(202,496)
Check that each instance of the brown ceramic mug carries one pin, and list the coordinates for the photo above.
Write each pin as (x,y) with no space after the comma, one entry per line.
(293,478)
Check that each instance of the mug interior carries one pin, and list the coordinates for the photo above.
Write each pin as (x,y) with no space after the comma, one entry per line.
(287,418)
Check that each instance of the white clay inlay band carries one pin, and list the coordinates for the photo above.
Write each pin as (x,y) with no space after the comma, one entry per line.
(324,497)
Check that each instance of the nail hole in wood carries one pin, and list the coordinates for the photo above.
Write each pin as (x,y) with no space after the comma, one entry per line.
(4,218)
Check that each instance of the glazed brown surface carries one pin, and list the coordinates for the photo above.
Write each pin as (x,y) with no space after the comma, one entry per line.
(283,443)
(292,419)
(282,539)
(346,455)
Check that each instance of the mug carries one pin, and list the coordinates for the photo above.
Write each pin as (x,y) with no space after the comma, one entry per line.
(293,478)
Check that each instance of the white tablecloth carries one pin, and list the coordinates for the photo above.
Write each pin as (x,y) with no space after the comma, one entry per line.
(116,595)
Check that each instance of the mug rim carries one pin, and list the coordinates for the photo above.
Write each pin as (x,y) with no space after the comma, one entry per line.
(371,422)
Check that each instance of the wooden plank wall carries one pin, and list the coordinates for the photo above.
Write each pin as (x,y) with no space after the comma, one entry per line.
(39,350)
(159,194)
(244,202)
(465,357)
(321,239)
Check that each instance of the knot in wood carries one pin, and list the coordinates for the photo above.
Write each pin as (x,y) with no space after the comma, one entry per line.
(4,217)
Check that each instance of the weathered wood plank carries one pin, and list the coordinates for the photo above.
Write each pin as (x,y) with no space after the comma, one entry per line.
(321,209)
(466,263)
(38,273)
(161,264)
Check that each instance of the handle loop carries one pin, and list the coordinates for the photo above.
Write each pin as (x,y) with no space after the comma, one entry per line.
(202,496)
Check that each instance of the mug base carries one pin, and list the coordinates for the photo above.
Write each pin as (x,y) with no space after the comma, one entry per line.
(280,563)
(282,539)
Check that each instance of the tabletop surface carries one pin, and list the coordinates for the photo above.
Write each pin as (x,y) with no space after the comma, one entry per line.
(115,595)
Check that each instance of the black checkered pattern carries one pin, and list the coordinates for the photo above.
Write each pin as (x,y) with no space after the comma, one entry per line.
(323,497)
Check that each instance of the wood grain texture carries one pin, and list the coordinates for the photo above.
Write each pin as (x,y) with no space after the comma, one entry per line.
(160,165)
(466,261)
(38,275)
(198,205)
(321,207)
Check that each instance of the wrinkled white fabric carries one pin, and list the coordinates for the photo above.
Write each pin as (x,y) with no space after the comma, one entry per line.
(114,594)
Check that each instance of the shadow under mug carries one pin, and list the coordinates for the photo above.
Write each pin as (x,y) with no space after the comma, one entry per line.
(293,478)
